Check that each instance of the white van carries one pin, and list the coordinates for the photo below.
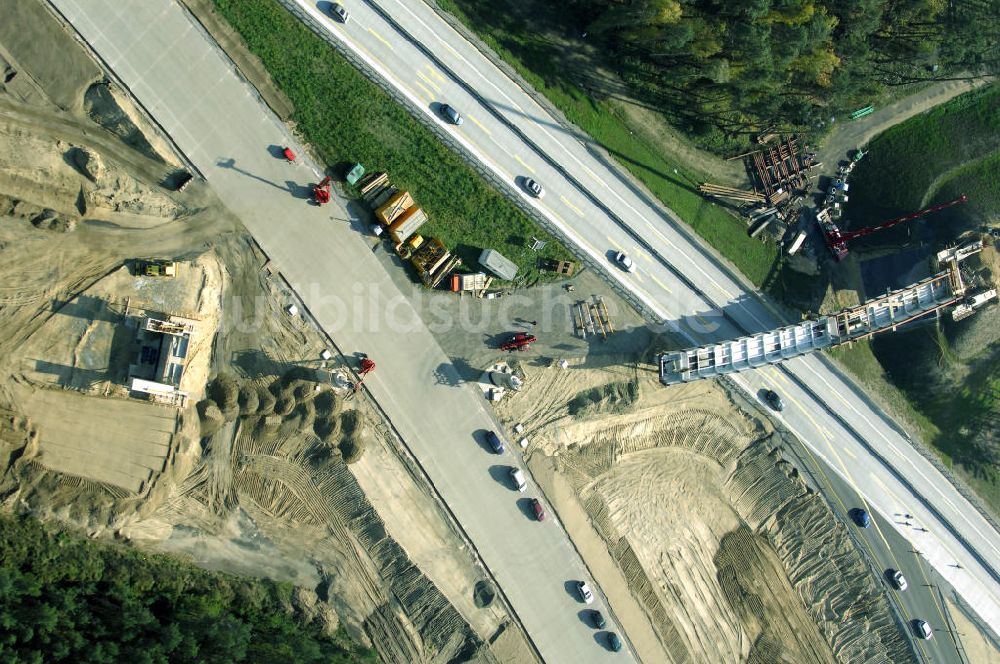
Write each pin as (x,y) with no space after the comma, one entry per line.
(518,478)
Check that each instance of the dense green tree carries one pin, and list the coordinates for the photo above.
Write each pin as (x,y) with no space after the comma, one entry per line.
(727,67)
(64,599)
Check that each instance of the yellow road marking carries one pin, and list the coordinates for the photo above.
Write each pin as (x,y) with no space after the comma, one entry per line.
(430,95)
(660,283)
(428,81)
(616,245)
(380,38)
(848,452)
(481,126)
(435,73)
(637,276)
(571,206)
(644,255)
(523,163)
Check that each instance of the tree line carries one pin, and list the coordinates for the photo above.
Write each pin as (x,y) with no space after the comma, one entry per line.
(68,599)
(724,68)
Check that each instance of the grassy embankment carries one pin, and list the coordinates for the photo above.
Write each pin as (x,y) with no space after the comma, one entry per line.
(935,156)
(953,401)
(65,598)
(349,119)
(539,61)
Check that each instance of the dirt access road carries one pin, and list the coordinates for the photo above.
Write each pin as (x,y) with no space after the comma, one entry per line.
(852,135)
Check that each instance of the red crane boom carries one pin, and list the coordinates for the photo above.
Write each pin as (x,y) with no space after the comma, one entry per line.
(837,240)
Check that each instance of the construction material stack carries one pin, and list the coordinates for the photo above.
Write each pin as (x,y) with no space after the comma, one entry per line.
(433,262)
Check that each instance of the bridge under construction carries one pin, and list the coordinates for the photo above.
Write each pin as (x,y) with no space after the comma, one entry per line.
(880,314)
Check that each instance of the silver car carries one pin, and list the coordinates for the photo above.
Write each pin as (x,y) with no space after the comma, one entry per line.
(534,188)
(625,262)
(340,13)
(517,477)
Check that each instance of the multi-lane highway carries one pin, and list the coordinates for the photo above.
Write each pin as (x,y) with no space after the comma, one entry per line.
(226,134)
(216,119)
(599,211)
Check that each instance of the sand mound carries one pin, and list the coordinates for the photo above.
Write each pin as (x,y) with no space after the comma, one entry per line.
(723,548)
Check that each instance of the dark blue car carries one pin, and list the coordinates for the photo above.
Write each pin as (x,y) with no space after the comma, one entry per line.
(861,517)
(495,441)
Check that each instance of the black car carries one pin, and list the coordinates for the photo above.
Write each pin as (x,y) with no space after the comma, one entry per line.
(597,618)
(774,400)
(494,441)
(614,643)
(451,114)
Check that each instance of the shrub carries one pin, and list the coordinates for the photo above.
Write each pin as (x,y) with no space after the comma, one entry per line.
(210,416)
(284,405)
(266,401)
(249,400)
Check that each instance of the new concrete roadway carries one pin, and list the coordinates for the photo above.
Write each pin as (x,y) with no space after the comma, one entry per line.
(599,211)
(592,206)
(216,119)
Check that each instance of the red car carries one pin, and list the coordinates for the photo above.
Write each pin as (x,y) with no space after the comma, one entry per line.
(536,506)
(519,341)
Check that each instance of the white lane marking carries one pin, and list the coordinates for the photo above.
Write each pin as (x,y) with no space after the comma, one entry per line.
(654,306)
(568,153)
(929,483)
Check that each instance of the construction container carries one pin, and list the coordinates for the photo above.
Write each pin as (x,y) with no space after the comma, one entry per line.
(498,264)
(393,207)
(407,224)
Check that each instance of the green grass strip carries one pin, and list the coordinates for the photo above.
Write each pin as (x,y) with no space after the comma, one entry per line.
(672,183)
(347,119)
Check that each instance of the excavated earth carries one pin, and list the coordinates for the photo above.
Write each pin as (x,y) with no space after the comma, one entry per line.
(708,544)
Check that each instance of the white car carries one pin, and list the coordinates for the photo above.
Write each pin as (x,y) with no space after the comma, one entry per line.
(922,629)
(340,13)
(585,593)
(534,188)
(898,580)
(517,477)
(625,262)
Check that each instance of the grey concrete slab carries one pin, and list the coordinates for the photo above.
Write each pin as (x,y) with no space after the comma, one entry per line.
(219,124)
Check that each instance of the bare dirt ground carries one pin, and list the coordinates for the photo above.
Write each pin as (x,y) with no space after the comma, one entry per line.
(706,542)
(84,190)
(977,647)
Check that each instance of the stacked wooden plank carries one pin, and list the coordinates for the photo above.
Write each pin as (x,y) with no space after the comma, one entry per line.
(720,191)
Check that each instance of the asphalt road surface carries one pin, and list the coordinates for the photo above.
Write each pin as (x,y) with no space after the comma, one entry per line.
(601,212)
(886,550)
(219,123)
(227,137)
